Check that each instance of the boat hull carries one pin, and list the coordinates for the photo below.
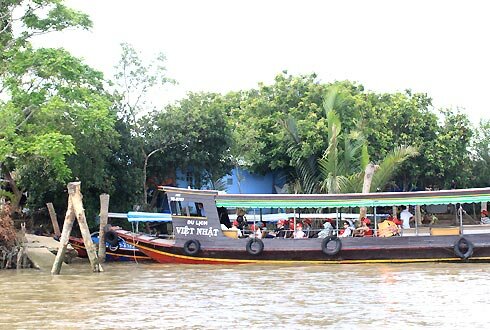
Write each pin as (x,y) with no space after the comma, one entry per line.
(123,252)
(278,251)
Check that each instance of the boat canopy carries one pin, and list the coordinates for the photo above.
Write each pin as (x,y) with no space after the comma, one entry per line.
(149,217)
(439,197)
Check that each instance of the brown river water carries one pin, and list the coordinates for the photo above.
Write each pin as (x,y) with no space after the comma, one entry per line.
(159,296)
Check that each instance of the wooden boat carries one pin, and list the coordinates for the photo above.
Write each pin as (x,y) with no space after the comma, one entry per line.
(198,237)
(120,251)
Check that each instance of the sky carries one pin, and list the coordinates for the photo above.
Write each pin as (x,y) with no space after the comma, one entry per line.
(437,47)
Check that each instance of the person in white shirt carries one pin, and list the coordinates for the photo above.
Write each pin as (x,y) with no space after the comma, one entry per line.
(299,233)
(327,229)
(484,217)
(347,230)
(405,217)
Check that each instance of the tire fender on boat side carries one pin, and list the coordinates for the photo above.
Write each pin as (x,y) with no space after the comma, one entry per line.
(114,248)
(330,252)
(192,247)
(255,246)
(463,248)
(111,238)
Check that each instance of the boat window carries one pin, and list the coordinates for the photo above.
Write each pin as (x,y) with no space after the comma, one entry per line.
(186,208)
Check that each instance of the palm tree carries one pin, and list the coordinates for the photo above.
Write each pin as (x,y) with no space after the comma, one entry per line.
(341,169)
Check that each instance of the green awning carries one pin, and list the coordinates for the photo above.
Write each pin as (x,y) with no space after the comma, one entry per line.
(460,196)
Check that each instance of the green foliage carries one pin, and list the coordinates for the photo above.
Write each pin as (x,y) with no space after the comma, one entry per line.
(194,135)
(481,156)
(134,80)
(54,108)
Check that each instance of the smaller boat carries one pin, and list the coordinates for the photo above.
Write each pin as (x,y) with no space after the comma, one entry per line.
(117,249)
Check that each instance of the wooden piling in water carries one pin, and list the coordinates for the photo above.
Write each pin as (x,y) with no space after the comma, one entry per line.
(75,211)
(104,213)
(54,219)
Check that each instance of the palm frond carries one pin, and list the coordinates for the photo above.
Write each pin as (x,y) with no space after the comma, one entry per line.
(388,166)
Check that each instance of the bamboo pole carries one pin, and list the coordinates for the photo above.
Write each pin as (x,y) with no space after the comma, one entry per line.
(104,211)
(54,219)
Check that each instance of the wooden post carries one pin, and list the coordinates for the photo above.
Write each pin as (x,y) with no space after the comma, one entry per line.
(21,254)
(54,219)
(65,234)
(75,210)
(104,211)
(76,196)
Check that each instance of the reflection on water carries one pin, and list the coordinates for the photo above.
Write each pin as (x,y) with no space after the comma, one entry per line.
(156,296)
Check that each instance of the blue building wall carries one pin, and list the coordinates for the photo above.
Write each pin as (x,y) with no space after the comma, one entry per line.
(242,182)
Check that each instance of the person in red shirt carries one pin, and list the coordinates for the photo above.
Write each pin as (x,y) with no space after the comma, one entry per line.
(364,229)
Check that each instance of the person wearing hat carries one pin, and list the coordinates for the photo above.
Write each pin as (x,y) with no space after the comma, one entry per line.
(327,229)
(363,229)
(299,233)
(280,231)
(485,220)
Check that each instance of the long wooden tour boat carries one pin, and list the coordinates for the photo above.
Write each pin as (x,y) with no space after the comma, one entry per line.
(198,237)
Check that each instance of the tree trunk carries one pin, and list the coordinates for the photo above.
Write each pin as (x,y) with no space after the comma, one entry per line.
(17,193)
(145,186)
(366,186)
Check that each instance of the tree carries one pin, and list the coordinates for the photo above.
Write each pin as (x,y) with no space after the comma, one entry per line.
(194,136)
(481,155)
(134,80)
(341,169)
(48,97)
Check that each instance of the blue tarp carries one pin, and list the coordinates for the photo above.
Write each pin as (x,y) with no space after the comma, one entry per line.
(149,217)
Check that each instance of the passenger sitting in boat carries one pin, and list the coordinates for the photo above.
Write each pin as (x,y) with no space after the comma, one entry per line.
(347,231)
(299,233)
(256,232)
(327,229)
(363,229)
(307,227)
(241,219)
(235,227)
(397,221)
(280,230)
(485,220)
(388,228)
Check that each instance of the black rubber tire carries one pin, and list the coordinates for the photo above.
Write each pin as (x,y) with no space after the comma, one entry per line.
(255,246)
(192,247)
(338,245)
(459,248)
(111,238)
(114,248)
